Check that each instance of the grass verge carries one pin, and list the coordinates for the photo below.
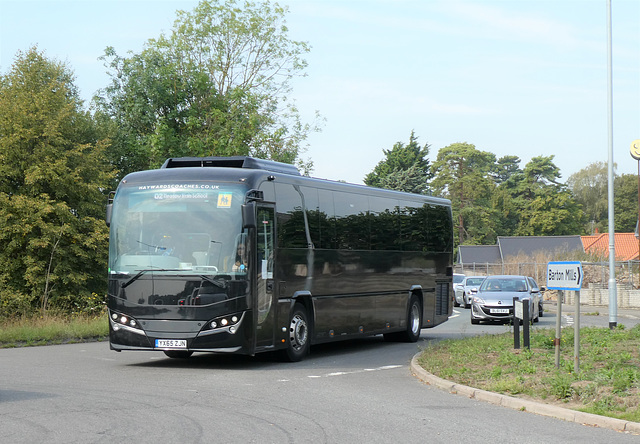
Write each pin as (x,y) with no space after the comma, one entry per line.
(607,384)
(52,330)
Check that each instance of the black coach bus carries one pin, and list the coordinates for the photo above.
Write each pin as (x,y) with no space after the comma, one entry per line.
(242,255)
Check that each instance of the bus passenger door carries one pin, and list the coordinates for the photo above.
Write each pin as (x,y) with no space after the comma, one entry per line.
(264,305)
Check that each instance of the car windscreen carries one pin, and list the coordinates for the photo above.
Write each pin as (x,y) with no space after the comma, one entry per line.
(504,284)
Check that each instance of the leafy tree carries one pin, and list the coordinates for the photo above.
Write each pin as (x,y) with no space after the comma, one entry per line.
(552,212)
(463,174)
(534,203)
(505,168)
(217,84)
(625,198)
(542,171)
(405,168)
(53,239)
(590,188)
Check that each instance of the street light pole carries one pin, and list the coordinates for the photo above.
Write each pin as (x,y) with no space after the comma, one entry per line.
(613,292)
(635,153)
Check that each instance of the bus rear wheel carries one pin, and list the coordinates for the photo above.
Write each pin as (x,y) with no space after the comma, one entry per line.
(298,337)
(414,323)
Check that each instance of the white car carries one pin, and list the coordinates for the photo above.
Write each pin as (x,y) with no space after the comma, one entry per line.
(457,281)
(466,289)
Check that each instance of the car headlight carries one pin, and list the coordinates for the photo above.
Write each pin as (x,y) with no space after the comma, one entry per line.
(478,300)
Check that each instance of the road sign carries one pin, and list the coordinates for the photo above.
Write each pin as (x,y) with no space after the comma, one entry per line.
(517,310)
(635,149)
(564,275)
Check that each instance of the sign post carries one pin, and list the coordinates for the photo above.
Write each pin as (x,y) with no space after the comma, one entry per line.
(517,309)
(566,276)
(556,340)
(576,336)
(521,312)
(635,153)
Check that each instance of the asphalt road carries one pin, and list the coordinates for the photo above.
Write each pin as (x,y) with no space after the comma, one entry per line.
(352,392)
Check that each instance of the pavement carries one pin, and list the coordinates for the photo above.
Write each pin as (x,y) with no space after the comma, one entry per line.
(622,313)
(538,408)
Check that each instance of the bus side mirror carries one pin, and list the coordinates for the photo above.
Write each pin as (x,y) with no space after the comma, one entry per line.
(108,215)
(249,215)
(107,218)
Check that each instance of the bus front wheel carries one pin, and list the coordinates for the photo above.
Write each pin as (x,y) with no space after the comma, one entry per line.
(178,354)
(298,337)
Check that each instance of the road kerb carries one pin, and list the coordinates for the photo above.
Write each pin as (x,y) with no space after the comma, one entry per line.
(538,408)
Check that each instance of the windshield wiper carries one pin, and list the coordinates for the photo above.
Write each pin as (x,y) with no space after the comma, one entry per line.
(156,247)
(141,272)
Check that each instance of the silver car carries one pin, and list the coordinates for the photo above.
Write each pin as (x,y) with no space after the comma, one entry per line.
(494,300)
(457,282)
(465,291)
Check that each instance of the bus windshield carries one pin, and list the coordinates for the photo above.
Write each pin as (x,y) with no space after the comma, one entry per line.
(177,229)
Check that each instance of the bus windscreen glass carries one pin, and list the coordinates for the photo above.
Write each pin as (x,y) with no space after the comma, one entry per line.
(176,228)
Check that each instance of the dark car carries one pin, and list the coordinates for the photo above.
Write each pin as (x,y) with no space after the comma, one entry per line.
(494,299)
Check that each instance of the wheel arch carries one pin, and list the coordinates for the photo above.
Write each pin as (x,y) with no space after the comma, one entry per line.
(416,290)
(306,299)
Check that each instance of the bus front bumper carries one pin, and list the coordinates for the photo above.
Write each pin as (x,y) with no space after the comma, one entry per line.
(221,335)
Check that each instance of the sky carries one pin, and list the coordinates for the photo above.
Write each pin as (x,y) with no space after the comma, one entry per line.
(512,77)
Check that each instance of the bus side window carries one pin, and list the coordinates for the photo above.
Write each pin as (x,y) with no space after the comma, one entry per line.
(265,242)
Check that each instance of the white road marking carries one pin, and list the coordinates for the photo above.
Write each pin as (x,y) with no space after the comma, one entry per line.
(329,375)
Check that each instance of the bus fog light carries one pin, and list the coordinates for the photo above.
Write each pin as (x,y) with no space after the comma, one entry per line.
(232,330)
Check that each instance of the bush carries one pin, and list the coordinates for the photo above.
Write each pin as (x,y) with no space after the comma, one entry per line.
(15,305)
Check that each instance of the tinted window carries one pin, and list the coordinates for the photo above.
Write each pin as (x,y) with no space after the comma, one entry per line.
(291,229)
(415,227)
(439,232)
(326,220)
(313,214)
(383,223)
(352,221)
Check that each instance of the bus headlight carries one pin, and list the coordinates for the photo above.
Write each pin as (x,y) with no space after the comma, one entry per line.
(230,323)
(125,322)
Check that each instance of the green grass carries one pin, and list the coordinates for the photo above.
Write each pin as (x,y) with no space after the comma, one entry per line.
(608,382)
(52,330)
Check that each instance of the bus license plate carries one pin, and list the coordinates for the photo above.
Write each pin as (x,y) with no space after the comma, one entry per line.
(499,310)
(171,343)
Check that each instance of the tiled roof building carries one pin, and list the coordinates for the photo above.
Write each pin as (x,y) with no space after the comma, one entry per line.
(626,245)
(512,246)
